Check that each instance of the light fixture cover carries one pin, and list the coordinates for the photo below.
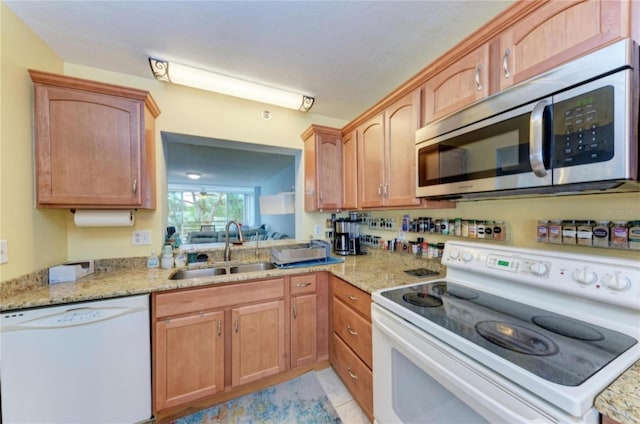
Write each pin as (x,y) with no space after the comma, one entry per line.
(211,81)
(277,204)
(194,175)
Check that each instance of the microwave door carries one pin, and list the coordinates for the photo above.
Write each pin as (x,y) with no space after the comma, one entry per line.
(593,132)
(491,155)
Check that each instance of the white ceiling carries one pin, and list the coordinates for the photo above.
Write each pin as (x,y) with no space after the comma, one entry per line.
(346,54)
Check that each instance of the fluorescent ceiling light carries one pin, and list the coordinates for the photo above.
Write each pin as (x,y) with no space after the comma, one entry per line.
(194,175)
(205,80)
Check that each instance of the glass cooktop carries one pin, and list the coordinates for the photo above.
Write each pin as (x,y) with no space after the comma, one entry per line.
(554,347)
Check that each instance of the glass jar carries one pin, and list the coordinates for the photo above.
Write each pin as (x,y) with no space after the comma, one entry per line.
(555,231)
(499,231)
(473,229)
(488,229)
(601,232)
(620,234)
(480,227)
(569,230)
(543,231)
(584,234)
(465,228)
(634,235)
(457,227)
(444,225)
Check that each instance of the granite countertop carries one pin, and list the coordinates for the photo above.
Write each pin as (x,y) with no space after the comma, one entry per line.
(374,271)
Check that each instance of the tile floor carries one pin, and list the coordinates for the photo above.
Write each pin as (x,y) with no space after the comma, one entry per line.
(347,408)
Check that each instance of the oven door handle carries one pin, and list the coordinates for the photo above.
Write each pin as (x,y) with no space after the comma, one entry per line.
(536,138)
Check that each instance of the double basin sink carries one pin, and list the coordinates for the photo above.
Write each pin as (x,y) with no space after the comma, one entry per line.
(184,274)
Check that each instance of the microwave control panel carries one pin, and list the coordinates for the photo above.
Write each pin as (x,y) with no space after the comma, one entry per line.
(583,129)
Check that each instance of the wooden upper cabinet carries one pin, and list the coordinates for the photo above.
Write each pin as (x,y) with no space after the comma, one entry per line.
(322,168)
(457,86)
(350,170)
(95,144)
(371,157)
(557,32)
(401,120)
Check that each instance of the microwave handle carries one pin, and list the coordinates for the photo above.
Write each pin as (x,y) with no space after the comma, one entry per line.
(536,138)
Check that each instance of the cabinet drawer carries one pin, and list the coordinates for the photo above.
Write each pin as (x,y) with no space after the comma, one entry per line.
(353,329)
(302,284)
(181,302)
(353,297)
(354,373)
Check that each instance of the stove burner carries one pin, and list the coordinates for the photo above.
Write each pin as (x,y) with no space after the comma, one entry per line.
(422,299)
(516,338)
(568,327)
(441,289)
(421,272)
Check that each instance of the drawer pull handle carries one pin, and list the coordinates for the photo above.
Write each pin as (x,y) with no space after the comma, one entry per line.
(351,374)
(219,327)
(295,312)
(237,324)
(505,63)
(352,297)
(351,331)
(478,82)
(303,284)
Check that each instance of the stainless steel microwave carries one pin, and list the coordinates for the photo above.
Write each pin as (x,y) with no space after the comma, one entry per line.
(572,129)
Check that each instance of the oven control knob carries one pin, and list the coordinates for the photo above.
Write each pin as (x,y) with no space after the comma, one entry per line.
(584,276)
(616,281)
(467,256)
(539,268)
(454,254)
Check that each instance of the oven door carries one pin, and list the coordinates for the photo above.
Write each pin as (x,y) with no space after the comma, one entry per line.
(418,379)
(505,152)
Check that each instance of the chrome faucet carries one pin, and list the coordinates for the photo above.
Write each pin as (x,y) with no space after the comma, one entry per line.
(227,249)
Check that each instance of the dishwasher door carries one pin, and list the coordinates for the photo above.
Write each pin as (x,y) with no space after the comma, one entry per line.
(79,363)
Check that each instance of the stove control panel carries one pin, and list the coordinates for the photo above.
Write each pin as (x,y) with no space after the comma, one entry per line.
(603,279)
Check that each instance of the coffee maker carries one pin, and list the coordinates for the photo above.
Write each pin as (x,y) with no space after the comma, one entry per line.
(346,239)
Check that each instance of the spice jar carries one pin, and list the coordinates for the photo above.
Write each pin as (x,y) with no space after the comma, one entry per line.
(465,228)
(620,234)
(543,231)
(499,231)
(457,227)
(569,230)
(601,234)
(584,234)
(634,235)
(445,226)
(555,231)
(480,230)
(473,229)
(488,229)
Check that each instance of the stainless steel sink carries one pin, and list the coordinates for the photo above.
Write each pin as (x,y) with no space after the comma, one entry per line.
(184,274)
(257,266)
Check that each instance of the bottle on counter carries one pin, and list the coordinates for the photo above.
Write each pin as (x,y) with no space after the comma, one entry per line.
(152,261)
(569,230)
(499,231)
(473,229)
(584,234)
(620,234)
(601,234)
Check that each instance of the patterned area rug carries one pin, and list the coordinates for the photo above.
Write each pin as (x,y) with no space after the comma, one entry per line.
(301,400)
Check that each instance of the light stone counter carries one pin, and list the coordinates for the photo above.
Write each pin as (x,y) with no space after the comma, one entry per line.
(376,270)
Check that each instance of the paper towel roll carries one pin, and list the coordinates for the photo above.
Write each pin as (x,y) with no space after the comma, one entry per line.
(103,218)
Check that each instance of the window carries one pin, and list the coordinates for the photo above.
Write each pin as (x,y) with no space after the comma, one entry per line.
(205,209)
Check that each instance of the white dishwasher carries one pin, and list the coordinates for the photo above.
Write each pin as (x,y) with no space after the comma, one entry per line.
(78,363)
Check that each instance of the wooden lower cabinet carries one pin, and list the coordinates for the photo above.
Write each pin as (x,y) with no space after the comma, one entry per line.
(214,341)
(350,350)
(189,358)
(257,342)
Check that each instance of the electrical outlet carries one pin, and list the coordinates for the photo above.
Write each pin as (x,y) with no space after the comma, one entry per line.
(141,238)
(318,230)
(4,253)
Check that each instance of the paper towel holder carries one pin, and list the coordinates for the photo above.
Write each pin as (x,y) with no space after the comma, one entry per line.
(131,214)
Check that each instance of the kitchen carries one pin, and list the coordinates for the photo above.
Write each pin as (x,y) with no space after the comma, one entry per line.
(48,237)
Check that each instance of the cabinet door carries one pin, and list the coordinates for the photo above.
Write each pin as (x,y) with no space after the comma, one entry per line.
(303,330)
(401,123)
(371,153)
(258,341)
(88,148)
(189,362)
(457,86)
(350,171)
(322,168)
(557,32)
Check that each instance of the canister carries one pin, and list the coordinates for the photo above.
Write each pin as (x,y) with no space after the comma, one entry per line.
(555,231)
(620,234)
(634,235)
(569,231)
(601,234)
(543,231)
(584,234)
